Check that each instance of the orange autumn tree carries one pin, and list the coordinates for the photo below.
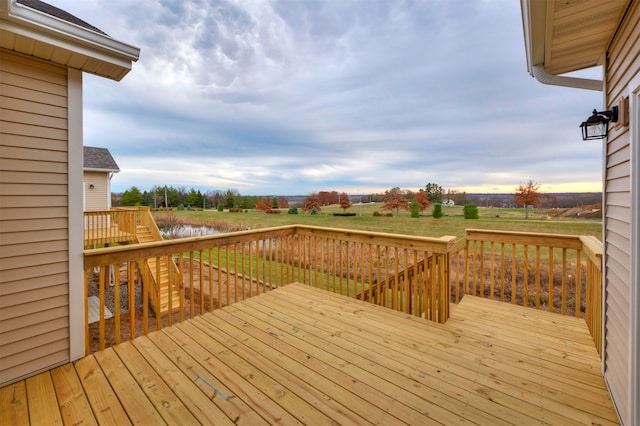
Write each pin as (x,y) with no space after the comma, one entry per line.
(263,204)
(423,199)
(344,201)
(527,195)
(394,200)
(311,202)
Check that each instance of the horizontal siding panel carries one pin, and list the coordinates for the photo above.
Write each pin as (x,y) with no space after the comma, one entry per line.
(33,213)
(8,288)
(17,313)
(46,361)
(19,262)
(37,154)
(34,224)
(10,238)
(18,165)
(48,355)
(25,297)
(33,119)
(621,156)
(622,214)
(46,87)
(20,274)
(622,199)
(21,346)
(618,231)
(37,108)
(19,189)
(33,68)
(43,328)
(8,177)
(36,319)
(618,171)
(11,128)
(20,141)
(28,202)
(35,96)
(618,260)
(616,144)
(618,185)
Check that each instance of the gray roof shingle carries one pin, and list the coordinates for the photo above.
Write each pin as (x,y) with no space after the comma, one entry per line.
(59,13)
(99,159)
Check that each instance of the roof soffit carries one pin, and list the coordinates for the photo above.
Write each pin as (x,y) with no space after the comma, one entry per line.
(47,37)
(569,35)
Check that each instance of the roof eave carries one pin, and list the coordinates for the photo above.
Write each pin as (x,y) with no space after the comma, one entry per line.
(65,36)
(534,22)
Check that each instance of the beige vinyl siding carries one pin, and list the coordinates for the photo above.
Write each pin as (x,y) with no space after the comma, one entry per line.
(96,199)
(34,241)
(623,63)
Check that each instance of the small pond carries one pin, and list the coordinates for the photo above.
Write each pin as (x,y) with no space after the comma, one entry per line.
(185,231)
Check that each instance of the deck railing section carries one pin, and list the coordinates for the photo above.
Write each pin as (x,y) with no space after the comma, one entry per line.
(404,273)
(593,249)
(558,273)
(218,270)
(110,226)
(416,275)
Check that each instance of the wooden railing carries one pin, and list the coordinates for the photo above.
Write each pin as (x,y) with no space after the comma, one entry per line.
(416,275)
(594,310)
(221,269)
(557,273)
(107,227)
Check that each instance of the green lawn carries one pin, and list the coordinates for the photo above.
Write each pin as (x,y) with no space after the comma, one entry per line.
(453,223)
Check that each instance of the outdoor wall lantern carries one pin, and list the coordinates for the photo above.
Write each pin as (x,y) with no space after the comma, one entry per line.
(597,126)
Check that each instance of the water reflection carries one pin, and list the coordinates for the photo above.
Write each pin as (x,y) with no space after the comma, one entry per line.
(184,231)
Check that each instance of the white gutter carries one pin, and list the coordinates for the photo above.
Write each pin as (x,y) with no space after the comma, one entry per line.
(540,74)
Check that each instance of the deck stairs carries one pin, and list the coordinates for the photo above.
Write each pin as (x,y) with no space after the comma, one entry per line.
(159,283)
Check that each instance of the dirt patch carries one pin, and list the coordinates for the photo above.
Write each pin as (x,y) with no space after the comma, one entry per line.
(591,211)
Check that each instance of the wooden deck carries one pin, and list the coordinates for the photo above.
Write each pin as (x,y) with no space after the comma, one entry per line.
(299,355)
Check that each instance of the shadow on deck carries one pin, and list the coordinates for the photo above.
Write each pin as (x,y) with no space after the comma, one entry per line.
(300,355)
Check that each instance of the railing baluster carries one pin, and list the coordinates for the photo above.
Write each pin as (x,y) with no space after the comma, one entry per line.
(564,282)
(525,277)
(514,265)
(116,301)
(578,309)
(551,290)
(210,267)
(131,292)
(181,280)
(502,271)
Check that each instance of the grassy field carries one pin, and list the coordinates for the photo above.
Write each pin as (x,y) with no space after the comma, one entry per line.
(453,223)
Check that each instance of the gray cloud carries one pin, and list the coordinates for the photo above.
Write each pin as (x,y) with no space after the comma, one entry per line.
(288,97)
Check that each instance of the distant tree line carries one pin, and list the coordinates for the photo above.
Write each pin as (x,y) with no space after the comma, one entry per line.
(170,196)
(394,199)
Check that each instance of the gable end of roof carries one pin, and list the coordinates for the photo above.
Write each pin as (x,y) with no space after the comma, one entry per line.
(99,159)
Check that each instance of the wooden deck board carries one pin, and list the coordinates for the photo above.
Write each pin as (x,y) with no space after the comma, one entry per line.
(299,355)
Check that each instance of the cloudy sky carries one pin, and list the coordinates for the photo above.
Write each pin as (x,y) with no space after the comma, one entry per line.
(295,96)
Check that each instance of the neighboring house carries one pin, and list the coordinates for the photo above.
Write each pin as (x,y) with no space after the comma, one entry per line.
(562,37)
(43,53)
(99,167)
